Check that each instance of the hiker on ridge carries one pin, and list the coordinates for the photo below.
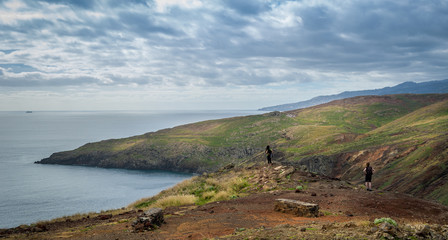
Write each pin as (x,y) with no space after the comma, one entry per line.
(268,152)
(368,171)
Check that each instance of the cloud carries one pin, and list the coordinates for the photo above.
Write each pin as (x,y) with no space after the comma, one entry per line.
(85,4)
(337,45)
(17,68)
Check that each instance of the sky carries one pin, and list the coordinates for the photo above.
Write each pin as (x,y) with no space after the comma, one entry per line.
(210,54)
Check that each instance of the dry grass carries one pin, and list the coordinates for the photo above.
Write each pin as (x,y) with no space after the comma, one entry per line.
(208,195)
(200,190)
(221,196)
(175,200)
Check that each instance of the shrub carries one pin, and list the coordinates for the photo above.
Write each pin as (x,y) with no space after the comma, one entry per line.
(388,220)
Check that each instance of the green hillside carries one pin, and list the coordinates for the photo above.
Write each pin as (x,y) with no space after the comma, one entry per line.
(403,136)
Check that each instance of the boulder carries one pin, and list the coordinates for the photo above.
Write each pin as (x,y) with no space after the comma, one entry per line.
(149,220)
(286,172)
(298,208)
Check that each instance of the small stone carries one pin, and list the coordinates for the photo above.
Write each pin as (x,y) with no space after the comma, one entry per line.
(373,230)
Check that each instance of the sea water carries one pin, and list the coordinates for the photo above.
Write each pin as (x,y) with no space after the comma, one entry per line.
(33,192)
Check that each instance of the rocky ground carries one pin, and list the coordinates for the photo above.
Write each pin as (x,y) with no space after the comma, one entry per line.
(347,211)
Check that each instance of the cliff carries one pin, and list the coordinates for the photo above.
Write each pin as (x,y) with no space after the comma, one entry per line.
(403,136)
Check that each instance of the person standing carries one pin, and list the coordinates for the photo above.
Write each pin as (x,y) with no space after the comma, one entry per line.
(268,152)
(368,171)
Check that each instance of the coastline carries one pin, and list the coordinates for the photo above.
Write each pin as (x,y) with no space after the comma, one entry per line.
(26,138)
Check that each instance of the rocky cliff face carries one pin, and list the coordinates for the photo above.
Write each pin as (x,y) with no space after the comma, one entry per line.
(181,157)
(418,170)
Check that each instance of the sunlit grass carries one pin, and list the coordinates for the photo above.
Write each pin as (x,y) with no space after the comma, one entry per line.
(175,200)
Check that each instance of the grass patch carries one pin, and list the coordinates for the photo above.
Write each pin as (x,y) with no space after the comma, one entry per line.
(175,200)
(199,190)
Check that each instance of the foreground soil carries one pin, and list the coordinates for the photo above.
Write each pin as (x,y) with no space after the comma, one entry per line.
(347,211)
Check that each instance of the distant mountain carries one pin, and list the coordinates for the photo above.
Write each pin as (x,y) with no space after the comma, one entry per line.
(406,87)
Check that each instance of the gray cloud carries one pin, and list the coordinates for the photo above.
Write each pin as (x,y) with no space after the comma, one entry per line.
(8,51)
(143,25)
(18,68)
(85,4)
(248,7)
(221,43)
(40,80)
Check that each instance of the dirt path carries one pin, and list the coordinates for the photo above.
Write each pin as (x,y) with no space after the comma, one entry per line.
(339,203)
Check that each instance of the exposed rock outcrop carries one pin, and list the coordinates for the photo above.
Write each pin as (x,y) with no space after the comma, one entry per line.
(298,208)
(149,220)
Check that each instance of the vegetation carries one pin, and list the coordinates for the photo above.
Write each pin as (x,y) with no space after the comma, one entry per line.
(403,136)
(199,190)
(388,220)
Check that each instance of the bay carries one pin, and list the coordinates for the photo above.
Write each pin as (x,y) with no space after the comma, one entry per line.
(34,192)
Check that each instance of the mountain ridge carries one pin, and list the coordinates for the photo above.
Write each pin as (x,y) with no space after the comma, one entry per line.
(440,86)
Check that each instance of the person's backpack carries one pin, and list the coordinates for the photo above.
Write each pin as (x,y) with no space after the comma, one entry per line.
(369,170)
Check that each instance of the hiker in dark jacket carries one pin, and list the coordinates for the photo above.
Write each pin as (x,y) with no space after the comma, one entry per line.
(368,171)
(268,152)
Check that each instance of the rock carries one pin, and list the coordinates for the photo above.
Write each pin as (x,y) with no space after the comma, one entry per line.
(149,220)
(350,225)
(390,230)
(425,232)
(328,226)
(37,229)
(372,231)
(286,172)
(298,208)
(278,168)
(104,217)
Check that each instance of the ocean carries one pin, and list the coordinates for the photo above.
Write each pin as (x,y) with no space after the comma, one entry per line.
(33,192)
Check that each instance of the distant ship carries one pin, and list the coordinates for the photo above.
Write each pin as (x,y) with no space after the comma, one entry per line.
(29,112)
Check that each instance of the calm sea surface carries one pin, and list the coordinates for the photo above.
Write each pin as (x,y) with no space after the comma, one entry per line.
(33,192)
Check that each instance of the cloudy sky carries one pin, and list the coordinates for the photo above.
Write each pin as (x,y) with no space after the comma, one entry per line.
(210,54)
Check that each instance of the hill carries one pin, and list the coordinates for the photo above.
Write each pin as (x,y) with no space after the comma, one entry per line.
(238,203)
(403,136)
(403,88)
